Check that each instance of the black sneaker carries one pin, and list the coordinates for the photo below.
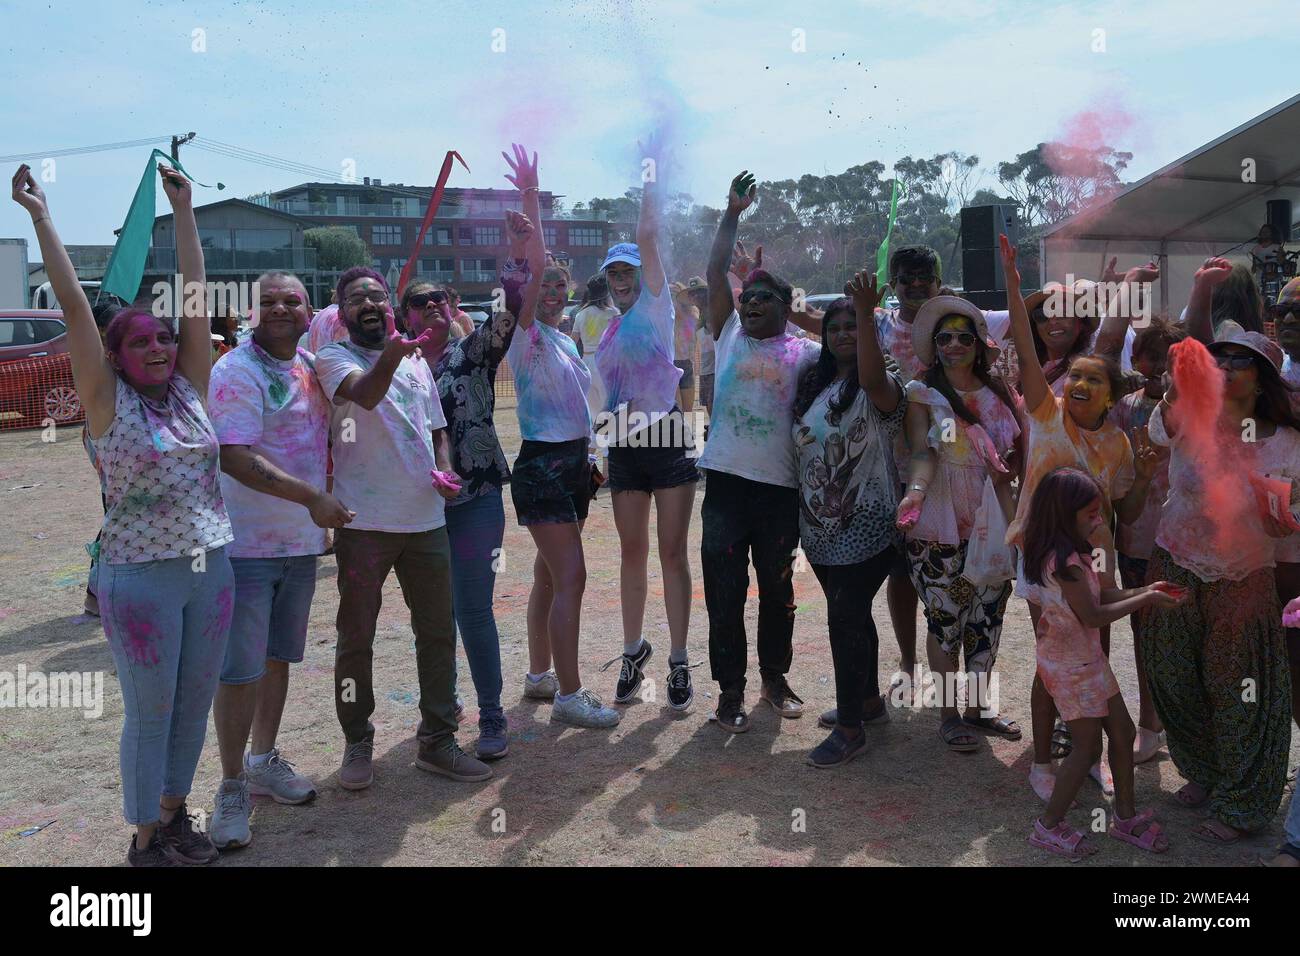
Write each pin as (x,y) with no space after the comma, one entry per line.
(631,674)
(837,749)
(155,854)
(184,843)
(829,718)
(731,715)
(680,691)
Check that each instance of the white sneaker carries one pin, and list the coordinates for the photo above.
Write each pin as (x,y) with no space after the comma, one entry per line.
(544,689)
(1147,745)
(229,828)
(584,709)
(276,779)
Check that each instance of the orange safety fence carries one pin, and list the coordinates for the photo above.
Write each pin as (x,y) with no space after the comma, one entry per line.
(35,392)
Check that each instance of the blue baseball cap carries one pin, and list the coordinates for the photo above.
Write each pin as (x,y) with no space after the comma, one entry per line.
(622,252)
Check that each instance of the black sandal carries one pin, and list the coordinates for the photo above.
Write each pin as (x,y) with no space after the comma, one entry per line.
(1062,742)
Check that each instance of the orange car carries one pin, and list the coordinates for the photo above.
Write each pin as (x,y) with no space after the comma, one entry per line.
(35,370)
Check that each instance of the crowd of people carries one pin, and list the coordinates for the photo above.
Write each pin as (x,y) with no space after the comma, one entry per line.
(1097,465)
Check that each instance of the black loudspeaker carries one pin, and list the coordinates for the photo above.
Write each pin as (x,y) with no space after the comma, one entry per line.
(1279,217)
(981,262)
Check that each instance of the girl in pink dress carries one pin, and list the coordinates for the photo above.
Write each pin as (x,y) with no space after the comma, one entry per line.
(1063,514)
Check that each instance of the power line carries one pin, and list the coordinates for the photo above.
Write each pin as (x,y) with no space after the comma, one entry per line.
(271,162)
(267,156)
(79,150)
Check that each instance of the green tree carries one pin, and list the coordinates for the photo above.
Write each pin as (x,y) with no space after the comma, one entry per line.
(337,248)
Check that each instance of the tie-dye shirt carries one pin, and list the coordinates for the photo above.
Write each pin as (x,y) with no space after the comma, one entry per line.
(159,462)
(635,357)
(750,429)
(383,455)
(551,382)
(275,407)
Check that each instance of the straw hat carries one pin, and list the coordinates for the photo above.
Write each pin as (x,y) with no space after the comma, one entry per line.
(935,311)
(1086,304)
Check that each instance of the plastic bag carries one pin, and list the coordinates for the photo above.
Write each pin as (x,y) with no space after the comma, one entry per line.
(989,560)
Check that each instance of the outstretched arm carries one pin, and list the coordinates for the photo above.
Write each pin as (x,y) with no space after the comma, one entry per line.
(739,198)
(880,388)
(1033,383)
(1200,321)
(194,355)
(93,376)
(648,225)
(1120,310)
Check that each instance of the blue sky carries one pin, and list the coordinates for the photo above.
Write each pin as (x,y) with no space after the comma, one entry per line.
(392,85)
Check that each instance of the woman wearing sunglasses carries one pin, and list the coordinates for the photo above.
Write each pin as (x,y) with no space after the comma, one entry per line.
(1217,664)
(962,429)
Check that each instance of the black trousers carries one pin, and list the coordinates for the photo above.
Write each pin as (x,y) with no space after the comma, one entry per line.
(744,518)
(855,646)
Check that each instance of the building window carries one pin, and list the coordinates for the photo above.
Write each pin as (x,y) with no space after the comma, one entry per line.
(584,236)
(487,235)
(385,235)
(436,270)
(550,236)
(437,237)
(478,270)
(466,236)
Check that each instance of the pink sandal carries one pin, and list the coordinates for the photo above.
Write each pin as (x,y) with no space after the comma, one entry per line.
(1062,841)
(1152,839)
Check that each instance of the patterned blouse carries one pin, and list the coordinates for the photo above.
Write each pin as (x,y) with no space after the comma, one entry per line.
(159,462)
(466,375)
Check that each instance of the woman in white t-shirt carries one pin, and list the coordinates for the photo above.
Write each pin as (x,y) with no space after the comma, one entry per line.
(552,480)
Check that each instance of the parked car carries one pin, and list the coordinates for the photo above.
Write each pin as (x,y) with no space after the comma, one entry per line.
(823,299)
(36,370)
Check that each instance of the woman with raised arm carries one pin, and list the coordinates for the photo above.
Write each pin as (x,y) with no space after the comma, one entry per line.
(848,409)
(466,370)
(552,483)
(1071,430)
(165,584)
(651,450)
(963,428)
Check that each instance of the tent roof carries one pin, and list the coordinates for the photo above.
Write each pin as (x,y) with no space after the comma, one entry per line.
(1201,197)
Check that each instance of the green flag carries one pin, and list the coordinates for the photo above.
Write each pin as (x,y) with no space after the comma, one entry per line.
(126,264)
(882,254)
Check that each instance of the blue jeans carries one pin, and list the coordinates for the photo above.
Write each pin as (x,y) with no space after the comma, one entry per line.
(1292,826)
(476,530)
(272,605)
(167,624)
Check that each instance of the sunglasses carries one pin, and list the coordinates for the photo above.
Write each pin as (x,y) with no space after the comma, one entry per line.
(757,295)
(912,278)
(945,338)
(421,299)
(1282,309)
(1237,363)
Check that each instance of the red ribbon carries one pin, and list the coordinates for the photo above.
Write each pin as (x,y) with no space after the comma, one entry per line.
(434,201)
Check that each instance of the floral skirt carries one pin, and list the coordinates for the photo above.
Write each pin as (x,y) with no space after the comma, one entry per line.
(963,617)
(1218,671)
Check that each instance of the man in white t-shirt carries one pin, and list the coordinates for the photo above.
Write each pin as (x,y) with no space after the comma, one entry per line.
(272,421)
(751,496)
(392,466)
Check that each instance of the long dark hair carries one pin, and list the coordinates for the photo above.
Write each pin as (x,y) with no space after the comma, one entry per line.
(814,381)
(1237,299)
(937,378)
(1274,402)
(1082,342)
(595,292)
(1052,526)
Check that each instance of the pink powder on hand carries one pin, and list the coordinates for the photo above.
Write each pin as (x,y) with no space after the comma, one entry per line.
(1291,613)
(909,518)
(445,479)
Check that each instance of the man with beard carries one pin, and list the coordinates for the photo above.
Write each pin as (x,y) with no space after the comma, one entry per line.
(392,465)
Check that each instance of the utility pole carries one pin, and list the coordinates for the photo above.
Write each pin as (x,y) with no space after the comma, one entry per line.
(178,142)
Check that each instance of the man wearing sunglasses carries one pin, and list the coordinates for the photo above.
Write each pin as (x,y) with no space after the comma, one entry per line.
(751,498)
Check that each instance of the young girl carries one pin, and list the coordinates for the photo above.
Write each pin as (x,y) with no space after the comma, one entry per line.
(1064,514)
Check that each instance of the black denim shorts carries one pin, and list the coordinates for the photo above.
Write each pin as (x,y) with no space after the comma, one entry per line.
(661,456)
(550,482)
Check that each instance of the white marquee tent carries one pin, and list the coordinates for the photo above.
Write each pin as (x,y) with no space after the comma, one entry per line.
(1208,202)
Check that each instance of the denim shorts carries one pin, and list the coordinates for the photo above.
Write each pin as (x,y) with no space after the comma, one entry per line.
(550,482)
(661,456)
(272,604)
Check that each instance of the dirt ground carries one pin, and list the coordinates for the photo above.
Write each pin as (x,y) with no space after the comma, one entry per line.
(658,789)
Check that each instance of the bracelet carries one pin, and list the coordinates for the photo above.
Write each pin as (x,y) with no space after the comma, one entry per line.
(917,487)
(35,222)
(530,189)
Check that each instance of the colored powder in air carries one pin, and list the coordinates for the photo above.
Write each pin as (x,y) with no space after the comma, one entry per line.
(1199,382)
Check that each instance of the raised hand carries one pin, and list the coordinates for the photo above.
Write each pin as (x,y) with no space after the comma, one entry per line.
(27,192)
(865,293)
(328,512)
(523,174)
(400,347)
(742,263)
(743,192)
(176,186)
(1009,268)
(1147,273)
(1212,272)
(519,228)
(1147,456)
